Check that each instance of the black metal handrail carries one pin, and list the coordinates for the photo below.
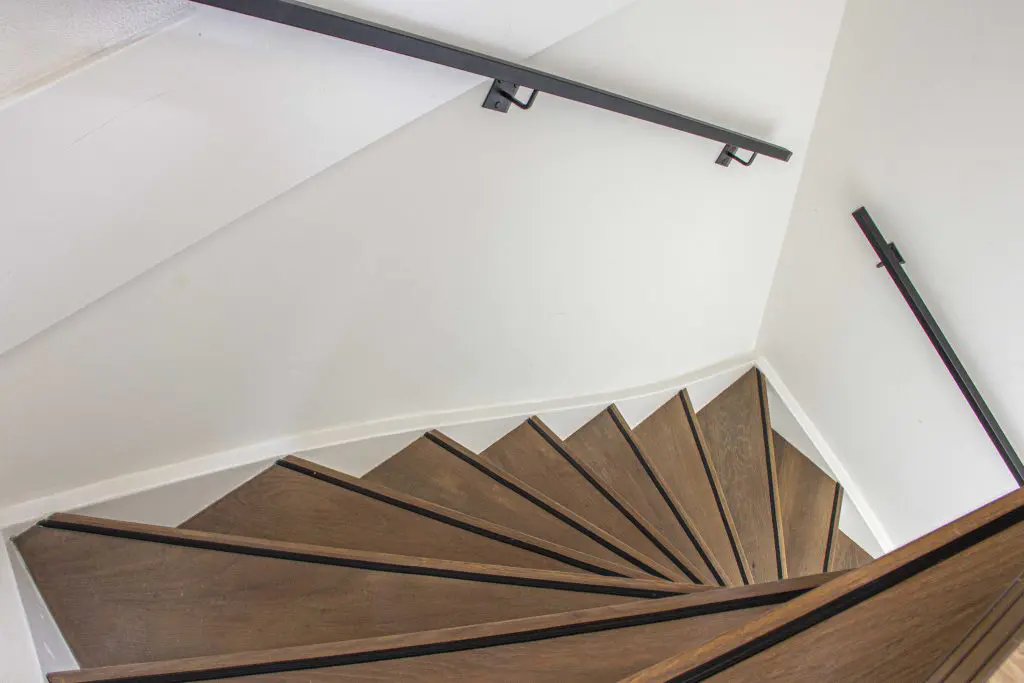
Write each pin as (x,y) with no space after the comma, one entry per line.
(893,262)
(508,76)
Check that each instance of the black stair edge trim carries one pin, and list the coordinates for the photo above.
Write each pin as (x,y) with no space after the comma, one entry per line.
(461,645)
(719,502)
(772,484)
(618,505)
(833,526)
(444,519)
(239,548)
(849,600)
(656,480)
(542,504)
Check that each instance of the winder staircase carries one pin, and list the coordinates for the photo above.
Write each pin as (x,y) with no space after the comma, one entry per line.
(697,546)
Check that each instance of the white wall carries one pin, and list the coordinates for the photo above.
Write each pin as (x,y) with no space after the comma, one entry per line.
(920,122)
(467,260)
(18,662)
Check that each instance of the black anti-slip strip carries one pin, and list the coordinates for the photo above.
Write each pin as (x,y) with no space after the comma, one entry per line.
(465,526)
(665,496)
(313,558)
(833,524)
(406,652)
(772,485)
(714,490)
(537,501)
(619,506)
(844,602)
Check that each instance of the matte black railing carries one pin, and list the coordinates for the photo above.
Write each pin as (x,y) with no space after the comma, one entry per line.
(508,76)
(893,262)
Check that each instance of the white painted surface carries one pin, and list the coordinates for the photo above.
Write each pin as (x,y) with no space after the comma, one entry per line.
(43,39)
(391,285)
(51,649)
(18,661)
(919,122)
(126,163)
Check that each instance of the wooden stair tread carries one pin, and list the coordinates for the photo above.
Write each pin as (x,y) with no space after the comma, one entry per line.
(437,469)
(182,593)
(670,438)
(846,554)
(737,431)
(315,505)
(894,619)
(530,453)
(810,502)
(579,624)
(605,445)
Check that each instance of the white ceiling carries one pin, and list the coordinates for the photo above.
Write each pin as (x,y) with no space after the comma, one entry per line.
(467,259)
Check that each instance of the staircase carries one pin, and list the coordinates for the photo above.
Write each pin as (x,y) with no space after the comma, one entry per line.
(697,546)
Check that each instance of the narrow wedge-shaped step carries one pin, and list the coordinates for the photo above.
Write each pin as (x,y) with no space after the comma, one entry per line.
(127,593)
(438,469)
(302,502)
(672,439)
(737,431)
(846,554)
(599,644)
(609,447)
(895,619)
(535,454)
(810,502)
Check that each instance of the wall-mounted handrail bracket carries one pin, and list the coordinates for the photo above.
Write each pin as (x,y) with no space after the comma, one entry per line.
(896,254)
(503,94)
(728,155)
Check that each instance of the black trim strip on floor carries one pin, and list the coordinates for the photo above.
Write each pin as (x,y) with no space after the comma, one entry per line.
(691,420)
(444,519)
(649,469)
(772,484)
(617,504)
(479,466)
(314,558)
(833,525)
(846,601)
(528,636)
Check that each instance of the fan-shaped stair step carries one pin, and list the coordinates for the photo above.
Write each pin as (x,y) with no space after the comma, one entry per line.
(303,502)
(609,448)
(124,593)
(737,429)
(535,454)
(598,644)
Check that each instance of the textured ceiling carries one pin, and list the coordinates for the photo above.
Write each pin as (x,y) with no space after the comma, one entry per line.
(43,39)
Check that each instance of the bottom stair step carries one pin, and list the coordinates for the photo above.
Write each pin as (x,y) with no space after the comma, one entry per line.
(127,593)
(600,644)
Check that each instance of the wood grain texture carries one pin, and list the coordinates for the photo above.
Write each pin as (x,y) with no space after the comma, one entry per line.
(990,642)
(926,595)
(1012,670)
(578,622)
(734,427)
(345,512)
(670,439)
(428,470)
(530,452)
(119,601)
(846,554)
(807,497)
(607,451)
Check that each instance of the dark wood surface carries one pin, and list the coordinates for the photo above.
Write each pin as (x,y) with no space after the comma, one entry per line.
(120,601)
(734,426)
(527,452)
(427,470)
(846,554)
(899,634)
(576,622)
(808,498)
(670,439)
(602,445)
(321,506)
